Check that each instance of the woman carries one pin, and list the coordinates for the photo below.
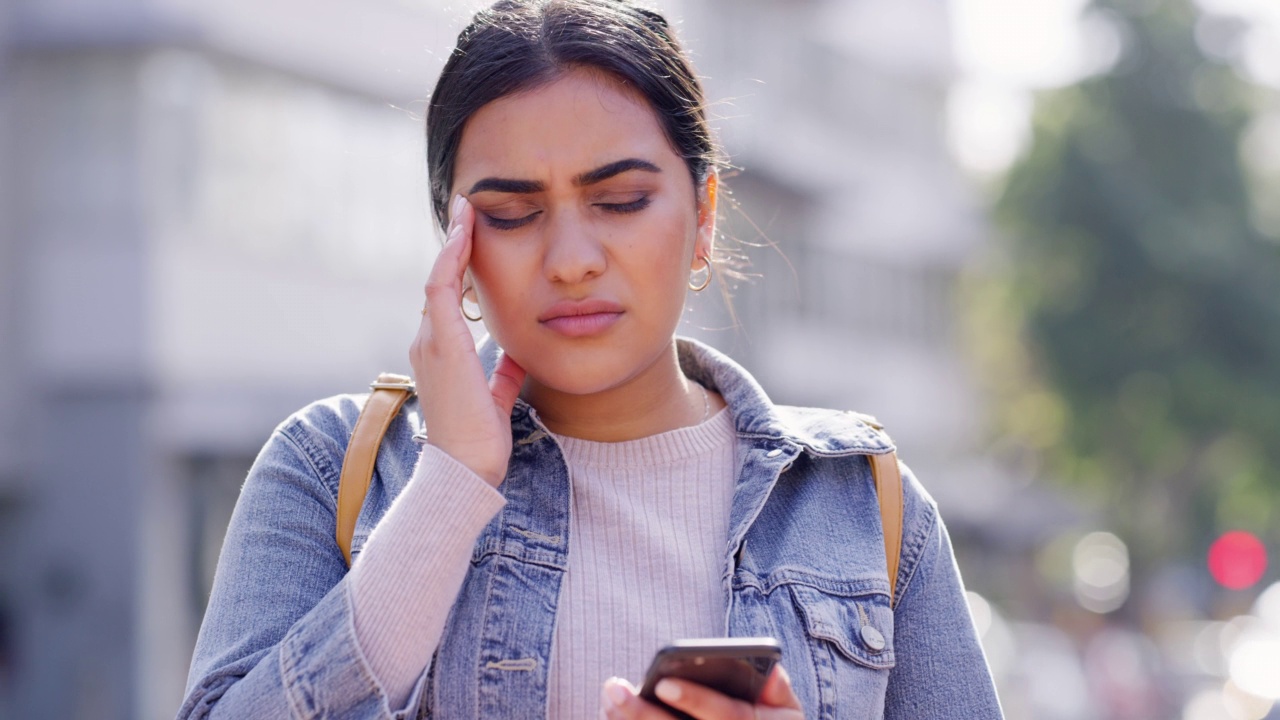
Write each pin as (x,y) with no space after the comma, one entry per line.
(590,486)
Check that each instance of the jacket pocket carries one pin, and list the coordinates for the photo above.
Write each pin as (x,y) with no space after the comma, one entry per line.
(859,626)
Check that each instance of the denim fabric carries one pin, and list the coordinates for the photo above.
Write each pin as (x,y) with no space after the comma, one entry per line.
(804,562)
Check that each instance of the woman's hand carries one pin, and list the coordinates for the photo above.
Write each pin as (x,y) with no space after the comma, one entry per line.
(777,701)
(466,417)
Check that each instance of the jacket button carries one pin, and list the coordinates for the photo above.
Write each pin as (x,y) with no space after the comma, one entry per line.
(773,453)
(873,638)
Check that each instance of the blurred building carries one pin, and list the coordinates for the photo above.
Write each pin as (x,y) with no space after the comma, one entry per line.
(866,221)
(863,228)
(213,213)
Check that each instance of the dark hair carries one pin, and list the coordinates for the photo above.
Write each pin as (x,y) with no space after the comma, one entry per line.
(515,45)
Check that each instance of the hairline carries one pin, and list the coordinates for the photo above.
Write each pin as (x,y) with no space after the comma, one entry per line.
(559,71)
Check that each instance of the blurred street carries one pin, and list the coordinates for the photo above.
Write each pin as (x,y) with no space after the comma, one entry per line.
(1037,239)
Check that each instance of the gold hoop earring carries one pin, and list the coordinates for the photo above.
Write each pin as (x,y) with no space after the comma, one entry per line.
(462,305)
(706,281)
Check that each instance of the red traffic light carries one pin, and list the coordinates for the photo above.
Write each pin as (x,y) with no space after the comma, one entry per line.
(1237,560)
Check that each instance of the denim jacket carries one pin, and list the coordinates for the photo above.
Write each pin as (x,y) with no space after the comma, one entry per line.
(804,562)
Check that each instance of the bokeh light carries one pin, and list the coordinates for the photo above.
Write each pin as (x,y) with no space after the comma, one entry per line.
(1206,705)
(980,610)
(1210,649)
(995,634)
(1267,606)
(1226,703)
(1101,566)
(1237,560)
(1255,665)
(1243,705)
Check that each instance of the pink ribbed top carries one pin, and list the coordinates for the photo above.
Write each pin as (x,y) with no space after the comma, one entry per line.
(647,534)
(647,537)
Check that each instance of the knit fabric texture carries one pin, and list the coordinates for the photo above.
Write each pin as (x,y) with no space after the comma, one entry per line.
(648,528)
(647,534)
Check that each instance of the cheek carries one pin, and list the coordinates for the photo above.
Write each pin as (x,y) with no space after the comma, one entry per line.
(664,269)
(658,269)
(498,273)
(670,249)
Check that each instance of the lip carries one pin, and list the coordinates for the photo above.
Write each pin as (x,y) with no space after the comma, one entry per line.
(581,318)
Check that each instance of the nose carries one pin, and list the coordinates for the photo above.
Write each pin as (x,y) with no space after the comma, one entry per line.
(574,253)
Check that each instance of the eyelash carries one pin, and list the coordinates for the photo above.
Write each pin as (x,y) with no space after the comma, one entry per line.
(626,208)
(504,224)
(619,208)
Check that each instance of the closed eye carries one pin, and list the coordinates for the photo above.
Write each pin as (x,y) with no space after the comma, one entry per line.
(501,223)
(498,223)
(627,207)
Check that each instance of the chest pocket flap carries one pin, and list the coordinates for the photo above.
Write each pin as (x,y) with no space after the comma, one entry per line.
(859,626)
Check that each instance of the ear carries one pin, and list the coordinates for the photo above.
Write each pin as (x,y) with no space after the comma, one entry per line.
(706,219)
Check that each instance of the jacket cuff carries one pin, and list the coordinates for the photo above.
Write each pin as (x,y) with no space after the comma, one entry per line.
(325,673)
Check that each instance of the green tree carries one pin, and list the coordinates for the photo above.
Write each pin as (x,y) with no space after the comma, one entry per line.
(1146,301)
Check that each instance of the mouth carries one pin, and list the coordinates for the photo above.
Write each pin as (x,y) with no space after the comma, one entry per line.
(581,318)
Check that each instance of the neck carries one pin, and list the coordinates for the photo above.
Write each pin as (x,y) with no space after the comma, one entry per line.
(657,400)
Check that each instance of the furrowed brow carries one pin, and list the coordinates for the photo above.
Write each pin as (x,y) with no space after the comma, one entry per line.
(505,185)
(605,172)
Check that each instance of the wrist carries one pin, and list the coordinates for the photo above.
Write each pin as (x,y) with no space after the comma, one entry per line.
(492,477)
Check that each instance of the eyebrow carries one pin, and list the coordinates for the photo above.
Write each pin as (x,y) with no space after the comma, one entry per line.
(590,177)
(605,172)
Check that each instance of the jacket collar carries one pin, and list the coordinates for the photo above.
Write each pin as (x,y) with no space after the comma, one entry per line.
(820,432)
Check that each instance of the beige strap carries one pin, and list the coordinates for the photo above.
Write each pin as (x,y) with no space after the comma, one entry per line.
(390,391)
(389,394)
(888,479)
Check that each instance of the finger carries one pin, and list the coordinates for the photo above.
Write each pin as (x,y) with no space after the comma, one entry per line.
(444,283)
(458,238)
(778,691)
(618,699)
(464,222)
(508,378)
(454,255)
(700,701)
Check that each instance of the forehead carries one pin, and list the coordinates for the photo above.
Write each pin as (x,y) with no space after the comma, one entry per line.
(577,122)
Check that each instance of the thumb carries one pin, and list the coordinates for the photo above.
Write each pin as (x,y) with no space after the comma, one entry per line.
(777,690)
(508,378)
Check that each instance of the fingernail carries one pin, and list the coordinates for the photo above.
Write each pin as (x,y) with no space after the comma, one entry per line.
(456,232)
(614,693)
(456,207)
(668,691)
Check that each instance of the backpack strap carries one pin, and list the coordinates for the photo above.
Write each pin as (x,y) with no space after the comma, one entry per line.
(389,393)
(888,480)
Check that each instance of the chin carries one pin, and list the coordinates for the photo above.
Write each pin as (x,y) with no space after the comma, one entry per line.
(583,368)
(574,378)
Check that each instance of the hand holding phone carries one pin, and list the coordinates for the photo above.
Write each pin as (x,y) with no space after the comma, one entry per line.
(735,667)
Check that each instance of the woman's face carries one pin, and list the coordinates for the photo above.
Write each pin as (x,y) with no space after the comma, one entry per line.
(587,225)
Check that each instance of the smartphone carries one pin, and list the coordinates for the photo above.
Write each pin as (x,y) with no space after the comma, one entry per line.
(737,667)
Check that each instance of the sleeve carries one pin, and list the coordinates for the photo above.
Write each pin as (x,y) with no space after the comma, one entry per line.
(278,638)
(941,671)
(413,566)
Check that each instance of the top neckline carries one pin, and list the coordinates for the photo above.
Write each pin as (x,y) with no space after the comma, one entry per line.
(663,448)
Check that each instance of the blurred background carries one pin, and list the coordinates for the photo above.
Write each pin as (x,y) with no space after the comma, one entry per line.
(1039,239)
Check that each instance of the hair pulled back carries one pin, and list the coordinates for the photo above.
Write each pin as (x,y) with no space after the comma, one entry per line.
(516,45)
